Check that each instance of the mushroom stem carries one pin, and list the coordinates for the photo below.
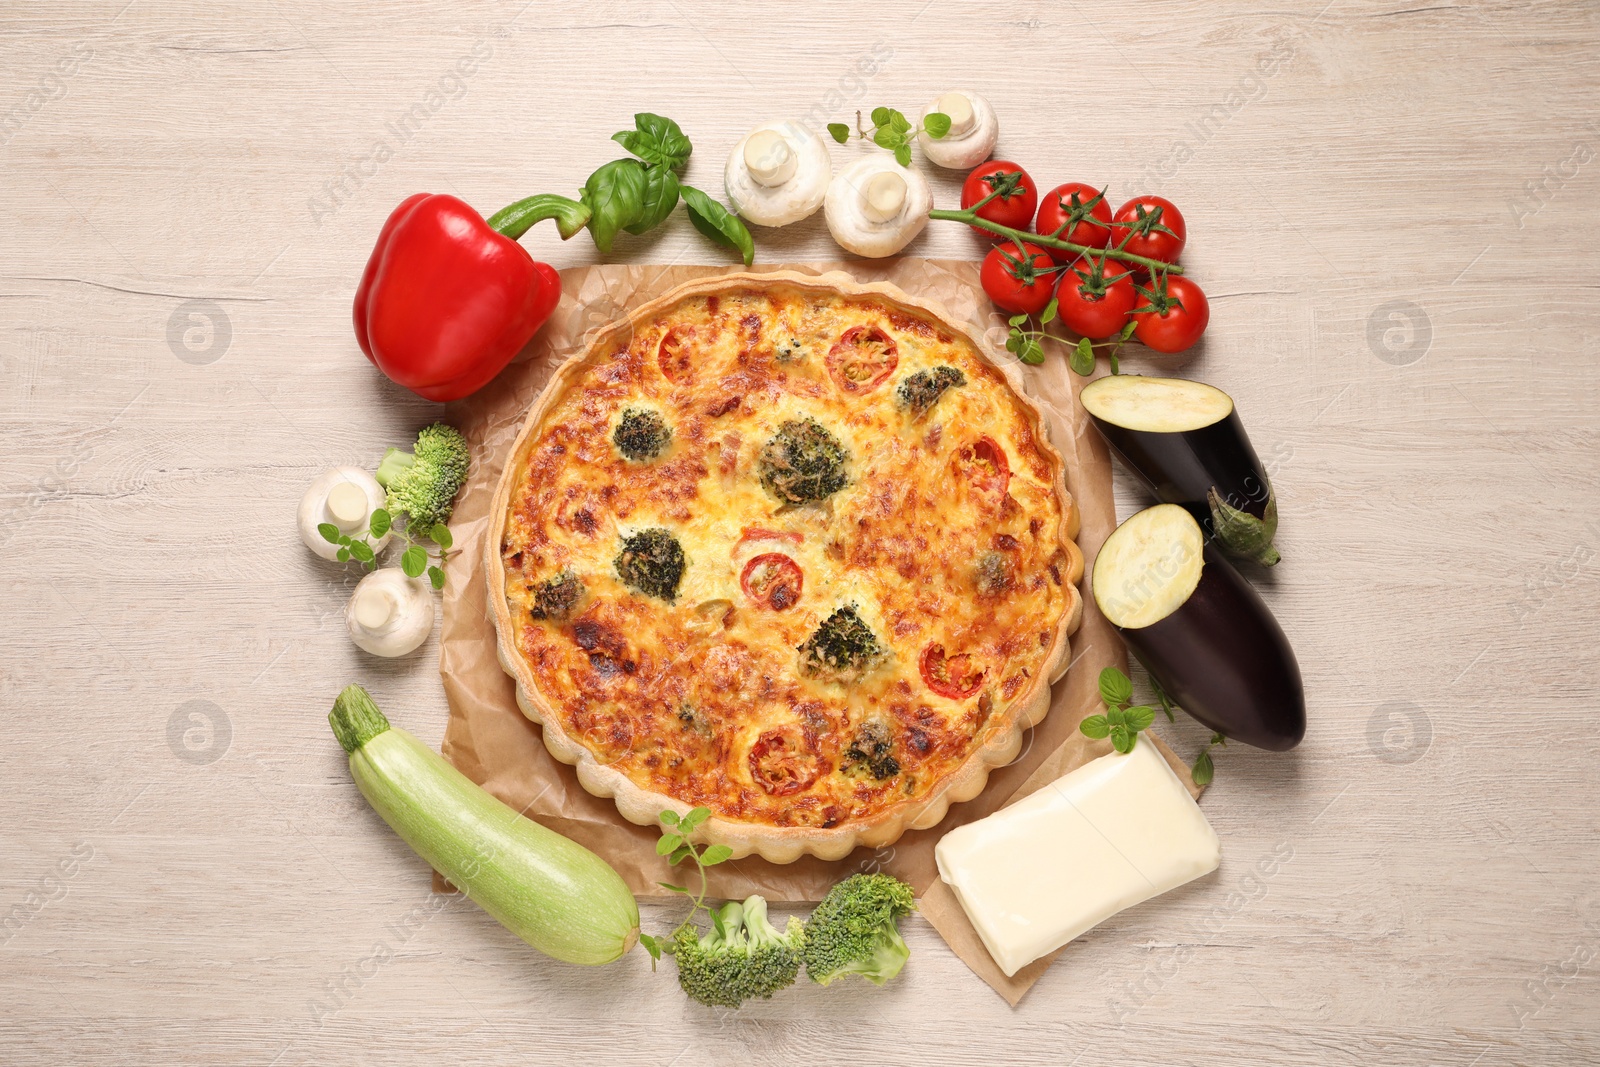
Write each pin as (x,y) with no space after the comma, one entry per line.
(883,196)
(959,108)
(769,158)
(374,608)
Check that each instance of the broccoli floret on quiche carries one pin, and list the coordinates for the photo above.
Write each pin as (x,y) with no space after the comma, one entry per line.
(841,649)
(651,562)
(556,597)
(641,435)
(870,751)
(992,575)
(920,391)
(803,461)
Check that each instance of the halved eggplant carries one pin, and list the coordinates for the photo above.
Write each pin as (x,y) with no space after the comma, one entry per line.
(1200,629)
(1185,441)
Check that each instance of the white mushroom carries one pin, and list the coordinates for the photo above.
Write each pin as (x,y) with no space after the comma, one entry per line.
(973,131)
(778,174)
(875,206)
(390,614)
(346,497)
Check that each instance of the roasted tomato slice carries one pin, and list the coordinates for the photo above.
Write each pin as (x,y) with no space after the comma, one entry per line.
(956,677)
(772,580)
(984,465)
(673,355)
(862,359)
(760,533)
(783,764)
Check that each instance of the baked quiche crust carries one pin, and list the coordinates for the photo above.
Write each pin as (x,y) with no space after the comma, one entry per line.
(793,548)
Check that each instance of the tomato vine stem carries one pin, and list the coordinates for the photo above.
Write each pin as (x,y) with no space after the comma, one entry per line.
(970,217)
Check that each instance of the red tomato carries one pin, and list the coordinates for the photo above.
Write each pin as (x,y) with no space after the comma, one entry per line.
(1156,228)
(672,355)
(772,580)
(862,359)
(1095,297)
(1019,281)
(983,464)
(783,764)
(956,677)
(1177,327)
(761,533)
(1082,210)
(1013,207)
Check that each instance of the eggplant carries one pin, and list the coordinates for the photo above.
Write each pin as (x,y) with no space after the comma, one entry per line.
(1200,629)
(1185,442)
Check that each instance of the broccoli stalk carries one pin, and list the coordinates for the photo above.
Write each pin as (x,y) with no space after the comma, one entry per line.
(855,930)
(742,957)
(423,483)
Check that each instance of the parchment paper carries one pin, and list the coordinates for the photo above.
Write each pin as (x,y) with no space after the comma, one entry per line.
(490,740)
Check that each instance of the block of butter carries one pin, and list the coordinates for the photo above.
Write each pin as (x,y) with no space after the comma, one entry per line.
(1114,832)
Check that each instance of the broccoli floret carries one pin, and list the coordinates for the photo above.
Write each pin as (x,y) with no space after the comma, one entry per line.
(802,462)
(920,391)
(870,751)
(423,483)
(640,434)
(855,930)
(992,574)
(742,957)
(842,648)
(556,597)
(651,562)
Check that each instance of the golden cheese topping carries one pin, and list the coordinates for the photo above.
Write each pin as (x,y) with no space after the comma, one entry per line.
(784,555)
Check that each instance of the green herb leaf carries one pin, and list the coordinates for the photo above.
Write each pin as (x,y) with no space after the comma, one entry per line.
(414,561)
(1116,716)
(1115,687)
(884,137)
(902,155)
(1141,717)
(693,819)
(1122,739)
(839,131)
(380,523)
(436,577)
(1048,315)
(659,198)
(880,116)
(1204,769)
(1017,320)
(439,534)
(669,817)
(1082,359)
(344,540)
(330,532)
(899,122)
(1032,350)
(673,888)
(715,855)
(715,221)
(716,921)
(656,140)
(651,946)
(615,193)
(1095,726)
(361,551)
(681,853)
(343,555)
(667,843)
(937,123)
(1127,331)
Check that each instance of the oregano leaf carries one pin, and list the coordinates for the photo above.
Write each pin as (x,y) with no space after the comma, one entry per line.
(380,523)
(1204,769)
(1082,359)
(1095,726)
(330,532)
(1115,687)
(436,577)
(839,131)
(414,561)
(937,124)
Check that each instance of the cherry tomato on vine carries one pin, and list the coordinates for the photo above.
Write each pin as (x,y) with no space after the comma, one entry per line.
(1082,209)
(1156,228)
(1013,207)
(1019,281)
(1095,297)
(1177,317)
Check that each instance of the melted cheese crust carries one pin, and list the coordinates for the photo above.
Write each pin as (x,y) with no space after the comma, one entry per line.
(702,699)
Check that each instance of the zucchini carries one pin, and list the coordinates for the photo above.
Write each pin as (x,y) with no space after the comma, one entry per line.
(1200,629)
(1185,442)
(552,892)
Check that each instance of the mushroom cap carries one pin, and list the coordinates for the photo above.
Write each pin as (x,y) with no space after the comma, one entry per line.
(390,614)
(846,207)
(314,508)
(963,151)
(792,200)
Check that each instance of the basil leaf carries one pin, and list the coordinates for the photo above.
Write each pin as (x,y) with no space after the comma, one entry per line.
(659,198)
(1082,358)
(937,124)
(1204,769)
(656,140)
(615,194)
(1141,717)
(839,132)
(380,523)
(715,221)
(329,532)
(413,561)
(1095,726)
(1115,687)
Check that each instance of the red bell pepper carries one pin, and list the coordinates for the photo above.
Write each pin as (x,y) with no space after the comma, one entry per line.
(448,298)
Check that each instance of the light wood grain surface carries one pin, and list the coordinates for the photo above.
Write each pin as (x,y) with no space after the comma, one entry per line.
(1395,224)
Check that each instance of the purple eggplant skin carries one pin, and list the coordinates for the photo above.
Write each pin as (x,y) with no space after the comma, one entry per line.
(1182,467)
(1224,659)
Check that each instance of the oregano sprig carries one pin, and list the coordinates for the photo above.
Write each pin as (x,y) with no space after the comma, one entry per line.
(891,130)
(1204,770)
(675,844)
(1120,722)
(414,561)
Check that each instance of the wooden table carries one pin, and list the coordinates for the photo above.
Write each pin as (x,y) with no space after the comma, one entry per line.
(1392,208)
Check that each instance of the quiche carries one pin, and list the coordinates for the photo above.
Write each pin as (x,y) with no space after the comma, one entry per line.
(790,548)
